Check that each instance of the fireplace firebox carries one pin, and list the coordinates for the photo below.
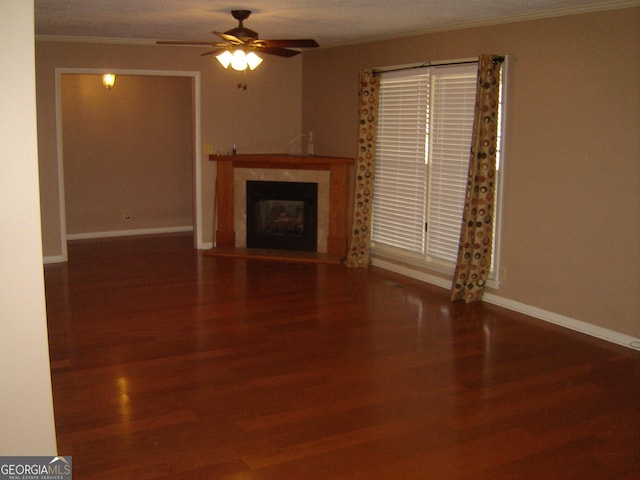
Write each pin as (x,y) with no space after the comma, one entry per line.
(282,215)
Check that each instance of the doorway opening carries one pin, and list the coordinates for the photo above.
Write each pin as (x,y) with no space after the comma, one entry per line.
(131,154)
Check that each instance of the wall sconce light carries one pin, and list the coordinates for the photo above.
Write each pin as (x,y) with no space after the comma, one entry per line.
(239,60)
(108,80)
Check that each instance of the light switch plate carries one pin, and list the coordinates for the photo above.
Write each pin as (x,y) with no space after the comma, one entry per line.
(208,148)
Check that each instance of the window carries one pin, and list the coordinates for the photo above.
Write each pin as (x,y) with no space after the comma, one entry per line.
(425,124)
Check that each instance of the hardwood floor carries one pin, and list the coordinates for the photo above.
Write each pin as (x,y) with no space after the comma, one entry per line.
(168,364)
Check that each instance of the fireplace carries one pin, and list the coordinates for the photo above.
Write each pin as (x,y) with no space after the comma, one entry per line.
(233,172)
(282,215)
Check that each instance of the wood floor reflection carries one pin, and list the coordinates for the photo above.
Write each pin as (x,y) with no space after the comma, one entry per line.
(168,364)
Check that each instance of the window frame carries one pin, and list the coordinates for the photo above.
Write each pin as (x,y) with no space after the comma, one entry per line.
(423,260)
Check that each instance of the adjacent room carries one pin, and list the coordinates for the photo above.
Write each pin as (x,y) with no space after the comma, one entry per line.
(169,311)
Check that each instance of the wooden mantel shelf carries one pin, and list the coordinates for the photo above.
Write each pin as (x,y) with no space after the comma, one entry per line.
(282,160)
(338,168)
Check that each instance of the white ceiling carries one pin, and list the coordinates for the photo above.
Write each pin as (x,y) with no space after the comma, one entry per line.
(329,22)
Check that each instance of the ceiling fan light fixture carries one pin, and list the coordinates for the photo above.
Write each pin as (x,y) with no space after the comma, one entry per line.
(225,58)
(253,60)
(239,60)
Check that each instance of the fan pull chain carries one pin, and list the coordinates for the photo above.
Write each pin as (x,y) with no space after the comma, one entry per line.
(242,80)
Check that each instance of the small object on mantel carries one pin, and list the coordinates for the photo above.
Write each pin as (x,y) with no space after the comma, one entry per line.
(301,145)
(310,143)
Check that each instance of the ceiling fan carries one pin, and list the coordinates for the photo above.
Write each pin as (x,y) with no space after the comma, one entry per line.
(247,41)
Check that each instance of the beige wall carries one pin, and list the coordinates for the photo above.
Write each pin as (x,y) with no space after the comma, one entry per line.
(26,405)
(128,153)
(262,118)
(571,209)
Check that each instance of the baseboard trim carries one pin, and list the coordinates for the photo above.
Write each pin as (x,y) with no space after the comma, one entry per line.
(564,321)
(535,312)
(117,233)
(129,233)
(53,259)
(412,273)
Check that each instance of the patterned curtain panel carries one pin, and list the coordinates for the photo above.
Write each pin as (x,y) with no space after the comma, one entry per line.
(360,238)
(475,250)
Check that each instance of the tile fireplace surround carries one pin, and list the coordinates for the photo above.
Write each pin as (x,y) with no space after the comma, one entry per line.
(330,173)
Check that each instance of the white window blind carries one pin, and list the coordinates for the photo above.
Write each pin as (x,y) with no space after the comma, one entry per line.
(425,123)
(453,93)
(400,189)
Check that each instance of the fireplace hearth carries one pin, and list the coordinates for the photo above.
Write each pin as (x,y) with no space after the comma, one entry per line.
(282,215)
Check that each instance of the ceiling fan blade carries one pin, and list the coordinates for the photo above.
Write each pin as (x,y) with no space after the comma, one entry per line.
(229,38)
(214,52)
(301,43)
(179,42)
(246,39)
(280,52)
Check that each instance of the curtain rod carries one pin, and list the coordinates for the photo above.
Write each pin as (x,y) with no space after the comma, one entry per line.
(496,59)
